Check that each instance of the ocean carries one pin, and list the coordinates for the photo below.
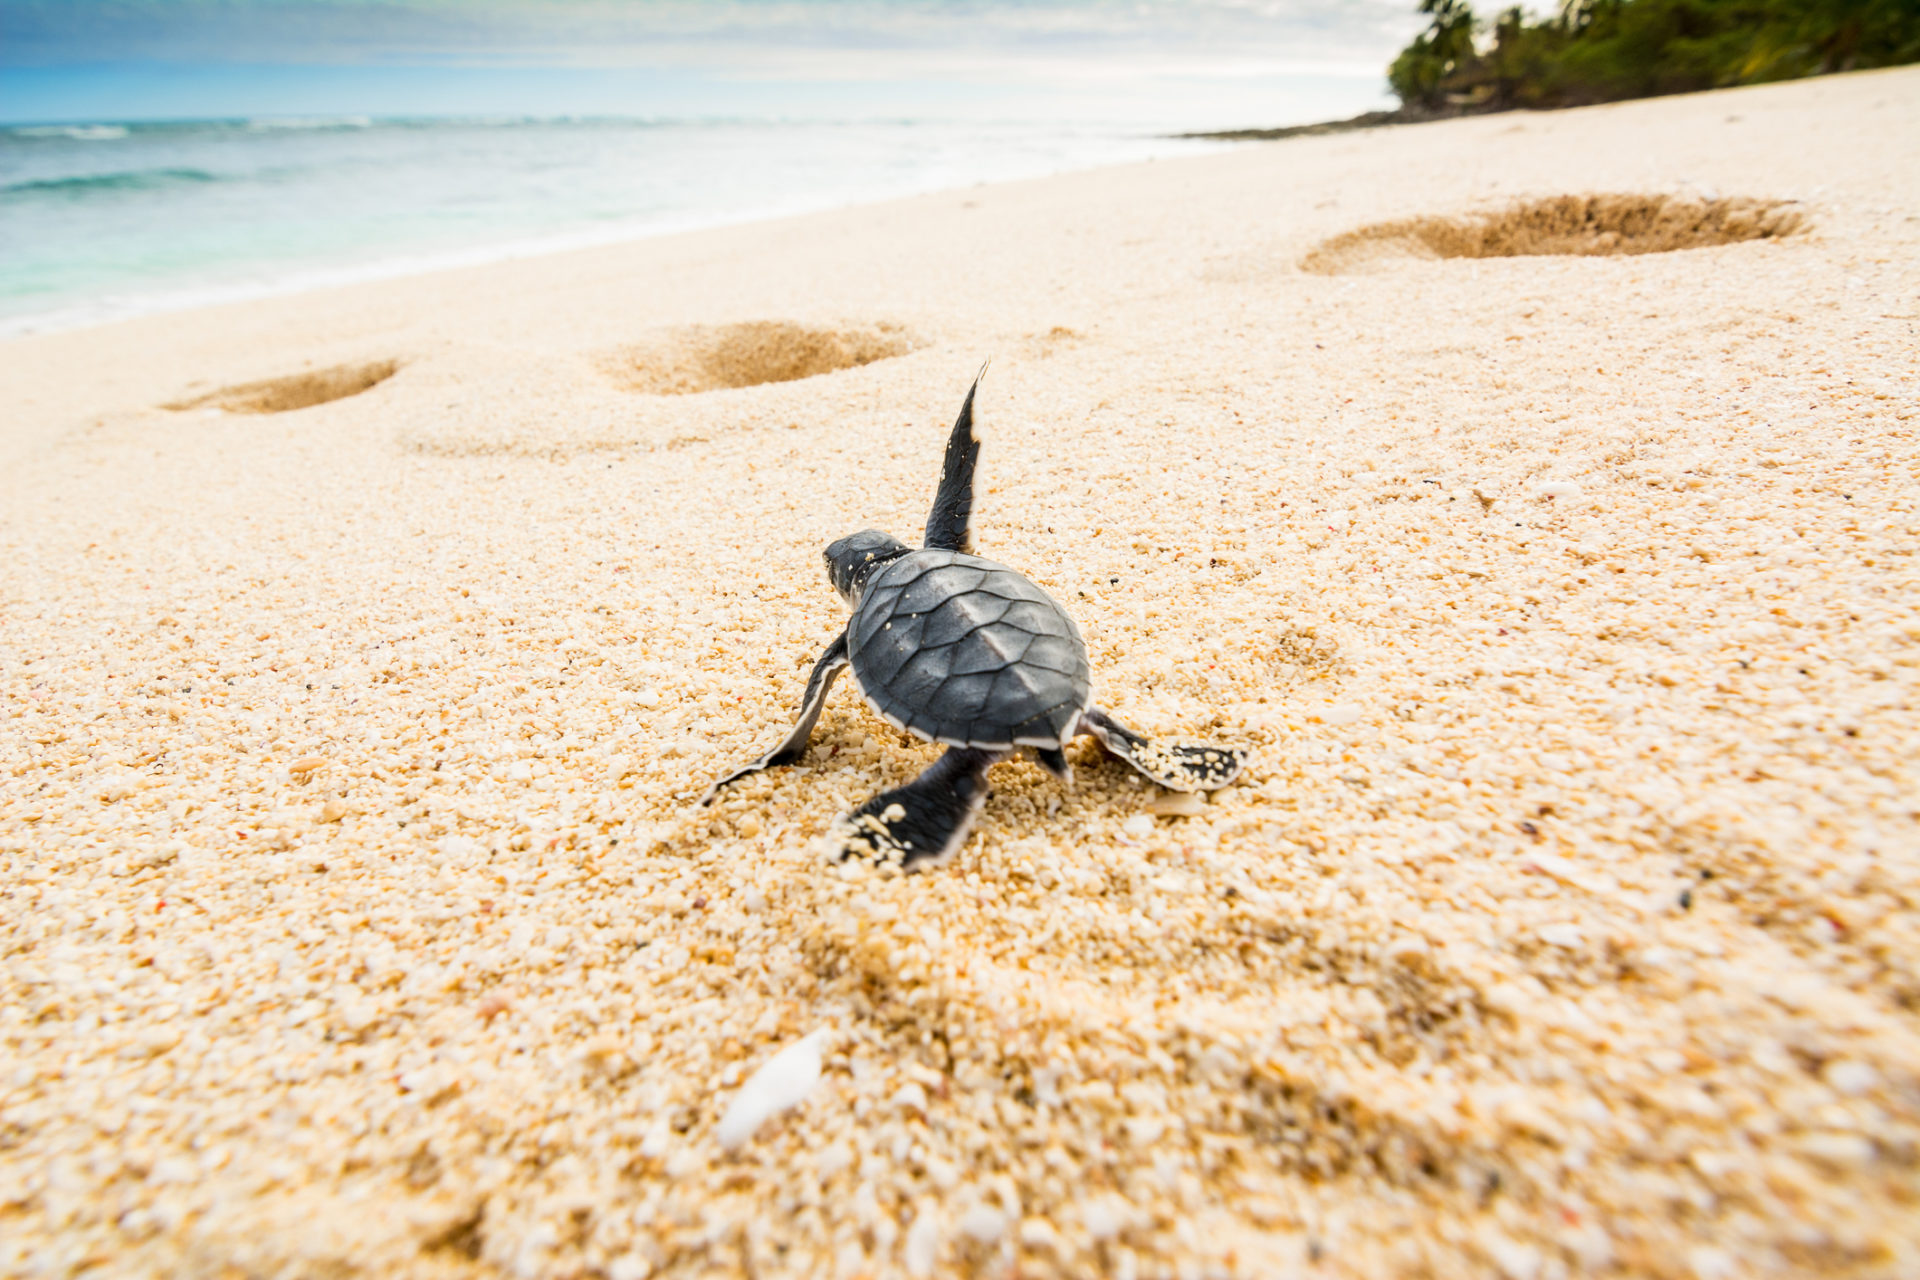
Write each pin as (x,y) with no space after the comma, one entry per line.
(104,220)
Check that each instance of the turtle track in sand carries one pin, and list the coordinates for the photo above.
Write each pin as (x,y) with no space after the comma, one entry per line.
(698,358)
(295,391)
(1571,226)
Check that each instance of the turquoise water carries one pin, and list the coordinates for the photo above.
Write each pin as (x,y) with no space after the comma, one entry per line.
(103,220)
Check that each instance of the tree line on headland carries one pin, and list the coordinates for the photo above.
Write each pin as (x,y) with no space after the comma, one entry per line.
(1607,50)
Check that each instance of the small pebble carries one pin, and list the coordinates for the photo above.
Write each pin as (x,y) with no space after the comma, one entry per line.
(983,1224)
(1849,1077)
(1178,804)
(1568,936)
(922,1249)
(1837,1150)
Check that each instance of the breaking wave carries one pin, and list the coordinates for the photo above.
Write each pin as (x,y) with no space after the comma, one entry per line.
(134,180)
(76,132)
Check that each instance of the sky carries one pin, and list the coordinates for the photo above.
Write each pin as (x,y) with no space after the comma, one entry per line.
(1198,62)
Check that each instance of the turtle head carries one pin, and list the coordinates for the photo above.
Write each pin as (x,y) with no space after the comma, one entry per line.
(856,557)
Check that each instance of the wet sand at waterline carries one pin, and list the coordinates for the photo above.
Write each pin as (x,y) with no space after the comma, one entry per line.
(362,653)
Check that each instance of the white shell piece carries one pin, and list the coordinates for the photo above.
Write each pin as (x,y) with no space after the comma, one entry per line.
(782,1083)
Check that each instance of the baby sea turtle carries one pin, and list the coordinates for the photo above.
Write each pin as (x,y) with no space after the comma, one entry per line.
(964,651)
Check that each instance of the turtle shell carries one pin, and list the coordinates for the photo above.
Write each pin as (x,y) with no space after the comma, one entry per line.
(968,652)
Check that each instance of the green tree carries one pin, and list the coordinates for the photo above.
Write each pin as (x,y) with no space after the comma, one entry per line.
(1833,35)
(1418,75)
(1602,50)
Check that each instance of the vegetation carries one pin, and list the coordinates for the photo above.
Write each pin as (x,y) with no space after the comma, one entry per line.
(1605,50)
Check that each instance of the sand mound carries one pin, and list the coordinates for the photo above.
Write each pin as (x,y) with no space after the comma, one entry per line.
(719,357)
(1582,226)
(297,391)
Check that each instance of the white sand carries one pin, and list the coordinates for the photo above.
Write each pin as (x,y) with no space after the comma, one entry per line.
(355,922)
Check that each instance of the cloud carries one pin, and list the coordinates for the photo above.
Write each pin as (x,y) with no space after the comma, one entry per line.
(845,39)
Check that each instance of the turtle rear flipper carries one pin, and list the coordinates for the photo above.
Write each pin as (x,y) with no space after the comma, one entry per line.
(1054,761)
(1176,766)
(928,818)
(825,671)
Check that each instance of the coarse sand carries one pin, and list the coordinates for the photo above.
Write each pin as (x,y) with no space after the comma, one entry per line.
(356,921)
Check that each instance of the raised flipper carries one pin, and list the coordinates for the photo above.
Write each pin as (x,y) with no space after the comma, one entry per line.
(949,524)
(831,664)
(1175,766)
(928,818)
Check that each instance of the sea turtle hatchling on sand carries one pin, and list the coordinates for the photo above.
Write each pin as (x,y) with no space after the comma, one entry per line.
(963,651)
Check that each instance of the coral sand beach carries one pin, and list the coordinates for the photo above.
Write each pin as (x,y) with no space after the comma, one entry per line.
(1534,495)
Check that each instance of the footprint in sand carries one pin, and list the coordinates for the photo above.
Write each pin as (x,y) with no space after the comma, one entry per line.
(296,391)
(1582,226)
(700,358)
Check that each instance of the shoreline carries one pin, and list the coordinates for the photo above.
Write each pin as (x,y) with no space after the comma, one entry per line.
(314,279)
(857,163)
(1365,120)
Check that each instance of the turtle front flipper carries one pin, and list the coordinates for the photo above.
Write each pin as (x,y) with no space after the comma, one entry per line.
(950,523)
(928,818)
(1175,766)
(831,664)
